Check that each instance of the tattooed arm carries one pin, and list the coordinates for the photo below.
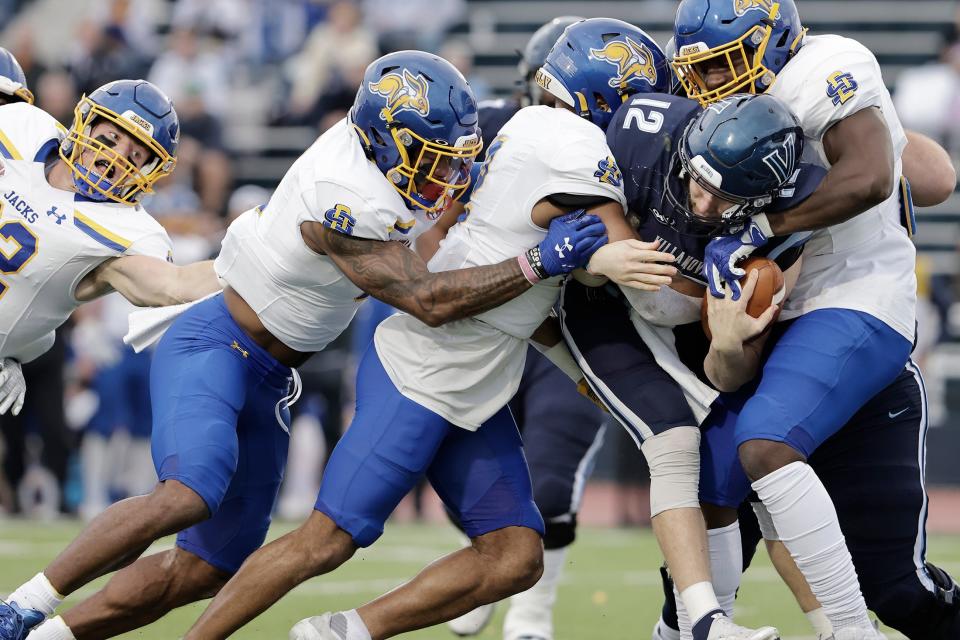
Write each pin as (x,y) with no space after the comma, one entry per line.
(398,276)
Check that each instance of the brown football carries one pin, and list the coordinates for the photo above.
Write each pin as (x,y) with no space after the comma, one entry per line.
(769,289)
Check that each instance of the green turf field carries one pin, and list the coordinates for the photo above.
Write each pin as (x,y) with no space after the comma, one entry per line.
(611,588)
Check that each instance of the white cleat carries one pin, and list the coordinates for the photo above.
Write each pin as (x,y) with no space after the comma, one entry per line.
(723,628)
(856,633)
(472,622)
(662,632)
(329,626)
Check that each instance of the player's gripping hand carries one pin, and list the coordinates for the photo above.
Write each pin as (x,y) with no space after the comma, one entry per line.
(633,263)
(723,254)
(570,242)
(13,387)
(730,324)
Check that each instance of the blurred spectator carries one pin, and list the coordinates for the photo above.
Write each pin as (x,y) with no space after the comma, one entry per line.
(265,31)
(57,95)
(459,54)
(413,24)
(195,80)
(139,21)
(188,70)
(927,99)
(332,49)
(24,50)
(103,55)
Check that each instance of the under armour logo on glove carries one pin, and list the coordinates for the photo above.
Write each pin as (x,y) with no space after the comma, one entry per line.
(575,237)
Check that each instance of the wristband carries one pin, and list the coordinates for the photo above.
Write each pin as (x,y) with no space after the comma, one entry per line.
(531,266)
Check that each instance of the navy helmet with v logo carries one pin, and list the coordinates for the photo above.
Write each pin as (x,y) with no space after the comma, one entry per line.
(744,149)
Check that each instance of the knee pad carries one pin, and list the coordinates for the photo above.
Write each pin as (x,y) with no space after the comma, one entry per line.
(674,460)
(560,534)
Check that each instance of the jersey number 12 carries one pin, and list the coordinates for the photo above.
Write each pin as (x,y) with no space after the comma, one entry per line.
(650,120)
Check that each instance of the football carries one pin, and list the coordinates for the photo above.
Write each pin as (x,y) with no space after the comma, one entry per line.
(769,289)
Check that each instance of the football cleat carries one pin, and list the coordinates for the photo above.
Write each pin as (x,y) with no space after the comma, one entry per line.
(472,622)
(723,628)
(15,622)
(856,633)
(661,631)
(329,626)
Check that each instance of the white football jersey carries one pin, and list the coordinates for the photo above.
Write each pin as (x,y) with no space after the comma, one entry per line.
(28,132)
(50,239)
(866,263)
(301,297)
(467,370)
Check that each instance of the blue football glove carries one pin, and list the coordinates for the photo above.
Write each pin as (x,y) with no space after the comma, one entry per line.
(723,253)
(570,242)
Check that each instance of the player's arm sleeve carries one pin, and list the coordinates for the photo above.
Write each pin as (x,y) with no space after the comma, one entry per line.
(836,88)
(154,243)
(27,132)
(33,350)
(582,166)
(345,211)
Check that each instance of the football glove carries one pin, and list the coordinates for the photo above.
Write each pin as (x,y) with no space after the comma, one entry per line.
(570,242)
(13,387)
(722,255)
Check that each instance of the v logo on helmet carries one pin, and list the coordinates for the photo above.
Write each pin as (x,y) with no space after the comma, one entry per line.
(740,7)
(404,92)
(781,160)
(634,61)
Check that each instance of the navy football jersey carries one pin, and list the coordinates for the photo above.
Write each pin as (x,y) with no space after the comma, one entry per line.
(492,115)
(643,136)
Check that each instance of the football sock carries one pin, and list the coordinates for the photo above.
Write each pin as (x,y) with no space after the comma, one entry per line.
(531,612)
(52,629)
(349,626)
(699,599)
(683,619)
(819,621)
(726,564)
(37,593)
(806,522)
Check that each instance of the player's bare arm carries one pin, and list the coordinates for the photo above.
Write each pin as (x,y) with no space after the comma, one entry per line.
(391,272)
(429,241)
(929,169)
(861,175)
(149,282)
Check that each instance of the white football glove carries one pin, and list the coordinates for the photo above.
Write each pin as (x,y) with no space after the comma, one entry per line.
(13,387)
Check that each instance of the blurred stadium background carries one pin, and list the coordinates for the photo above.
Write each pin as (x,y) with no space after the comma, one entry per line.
(255,81)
